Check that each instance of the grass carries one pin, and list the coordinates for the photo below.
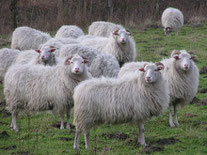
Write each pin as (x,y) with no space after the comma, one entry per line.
(39,133)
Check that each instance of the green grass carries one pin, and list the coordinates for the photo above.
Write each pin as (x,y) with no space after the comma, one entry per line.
(38,136)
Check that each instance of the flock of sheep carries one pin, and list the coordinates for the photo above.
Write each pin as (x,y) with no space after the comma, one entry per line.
(72,69)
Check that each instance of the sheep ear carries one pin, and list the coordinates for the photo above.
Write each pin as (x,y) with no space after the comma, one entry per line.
(52,50)
(128,32)
(175,52)
(160,66)
(52,47)
(38,51)
(191,52)
(85,59)
(194,58)
(142,70)
(115,32)
(67,61)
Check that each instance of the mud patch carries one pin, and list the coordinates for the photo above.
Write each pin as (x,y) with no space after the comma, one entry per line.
(195,100)
(65,139)
(203,70)
(5,113)
(167,141)
(119,136)
(202,103)
(150,149)
(204,90)
(11,147)
(4,134)
(163,54)
(21,153)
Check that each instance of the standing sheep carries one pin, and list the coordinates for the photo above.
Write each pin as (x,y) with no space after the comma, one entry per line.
(182,76)
(69,31)
(102,28)
(100,64)
(39,88)
(25,38)
(136,98)
(120,44)
(172,20)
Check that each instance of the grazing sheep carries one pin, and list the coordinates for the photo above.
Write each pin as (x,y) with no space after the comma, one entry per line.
(136,98)
(69,31)
(120,44)
(182,76)
(7,58)
(40,88)
(100,64)
(25,38)
(172,20)
(102,28)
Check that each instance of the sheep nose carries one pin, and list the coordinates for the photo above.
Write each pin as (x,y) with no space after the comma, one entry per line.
(76,70)
(123,40)
(42,57)
(186,66)
(148,79)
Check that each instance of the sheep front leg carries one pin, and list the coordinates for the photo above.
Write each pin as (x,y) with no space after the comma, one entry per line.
(170,117)
(68,119)
(141,138)
(87,142)
(175,117)
(62,120)
(76,140)
(14,122)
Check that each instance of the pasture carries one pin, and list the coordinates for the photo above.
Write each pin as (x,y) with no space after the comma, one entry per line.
(40,133)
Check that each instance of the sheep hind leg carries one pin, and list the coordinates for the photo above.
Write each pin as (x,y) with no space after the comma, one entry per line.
(14,121)
(76,140)
(68,119)
(87,141)
(175,116)
(170,117)
(62,120)
(141,138)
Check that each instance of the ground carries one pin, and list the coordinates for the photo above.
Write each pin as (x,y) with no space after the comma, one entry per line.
(40,134)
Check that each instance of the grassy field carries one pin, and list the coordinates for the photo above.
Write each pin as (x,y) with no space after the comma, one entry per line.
(40,134)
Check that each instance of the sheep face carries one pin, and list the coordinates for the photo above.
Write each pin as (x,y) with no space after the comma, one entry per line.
(167,31)
(183,60)
(151,72)
(77,64)
(46,53)
(121,36)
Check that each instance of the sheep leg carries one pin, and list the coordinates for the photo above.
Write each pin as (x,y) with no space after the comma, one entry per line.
(170,117)
(14,121)
(62,120)
(175,116)
(141,139)
(87,142)
(68,119)
(76,140)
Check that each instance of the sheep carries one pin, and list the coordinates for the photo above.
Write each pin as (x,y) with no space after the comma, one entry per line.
(182,76)
(100,64)
(120,44)
(172,20)
(25,38)
(7,58)
(71,31)
(40,88)
(102,28)
(135,98)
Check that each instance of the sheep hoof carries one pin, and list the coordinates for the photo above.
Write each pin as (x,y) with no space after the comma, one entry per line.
(16,129)
(61,127)
(172,125)
(76,147)
(68,127)
(176,124)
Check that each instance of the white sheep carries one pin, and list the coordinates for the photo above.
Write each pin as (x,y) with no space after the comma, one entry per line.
(69,31)
(120,44)
(102,28)
(7,58)
(182,76)
(172,20)
(40,88)
(100,64)
(25,38)
(135,98)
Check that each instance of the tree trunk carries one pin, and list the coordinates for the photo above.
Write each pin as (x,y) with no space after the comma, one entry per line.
(111,8)
(15,13)
(65,9)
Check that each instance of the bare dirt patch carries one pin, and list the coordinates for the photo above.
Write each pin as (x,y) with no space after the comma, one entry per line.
(150,149)
(202,103)
(119,136)
(202,91)
(21,153)
(195,100)
(65,139)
